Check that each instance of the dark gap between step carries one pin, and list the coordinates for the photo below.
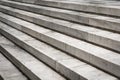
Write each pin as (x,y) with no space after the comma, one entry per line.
(1,78)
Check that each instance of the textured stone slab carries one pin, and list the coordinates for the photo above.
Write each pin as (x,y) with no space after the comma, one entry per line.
(28,64)
(105,38)
(64,65)
(99,21)
(90,6)
(95,55)
(8,70)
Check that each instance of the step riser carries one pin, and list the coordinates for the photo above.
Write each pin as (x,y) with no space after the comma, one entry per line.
(32,67)
(46,59)
(107,10)
(8,71)
(76,18)
(76,63)
(71,50)
(51,37)
(66,16)
(19,65)
(109,43)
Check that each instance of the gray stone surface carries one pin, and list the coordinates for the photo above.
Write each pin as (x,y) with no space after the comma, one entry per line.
(95,55)
(28,64)
(109,23)
(97,36)
(8,71)
(49,43)
(96,6)
(64,65)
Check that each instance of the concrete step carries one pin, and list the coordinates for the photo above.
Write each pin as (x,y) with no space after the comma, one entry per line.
(98,21)
(8,71)
(78,6)
(101,37)
(97,56)
(68,66)
(28,64)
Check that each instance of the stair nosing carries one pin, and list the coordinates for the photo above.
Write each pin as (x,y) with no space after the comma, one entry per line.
(47,33)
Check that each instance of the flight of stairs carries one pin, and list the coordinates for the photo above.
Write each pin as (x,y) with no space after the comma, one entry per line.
(61,39)
(8,71)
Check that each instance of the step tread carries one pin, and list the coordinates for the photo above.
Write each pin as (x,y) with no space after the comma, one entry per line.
(9,71)
(113,56)
(110,59)
(98,2)
(35,66)
(88,3)
(86,18)
(66,62)
(79,6)
(83,14)
(87,29)
(100,57)
(101,37)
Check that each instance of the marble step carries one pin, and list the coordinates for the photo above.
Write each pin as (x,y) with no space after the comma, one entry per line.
(101,37)
(68,66)
(29,65)
(95,55)
(8,71)
(113,10)
(98,21)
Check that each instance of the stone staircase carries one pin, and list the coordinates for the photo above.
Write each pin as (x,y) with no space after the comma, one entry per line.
(8,71)
(61,40)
